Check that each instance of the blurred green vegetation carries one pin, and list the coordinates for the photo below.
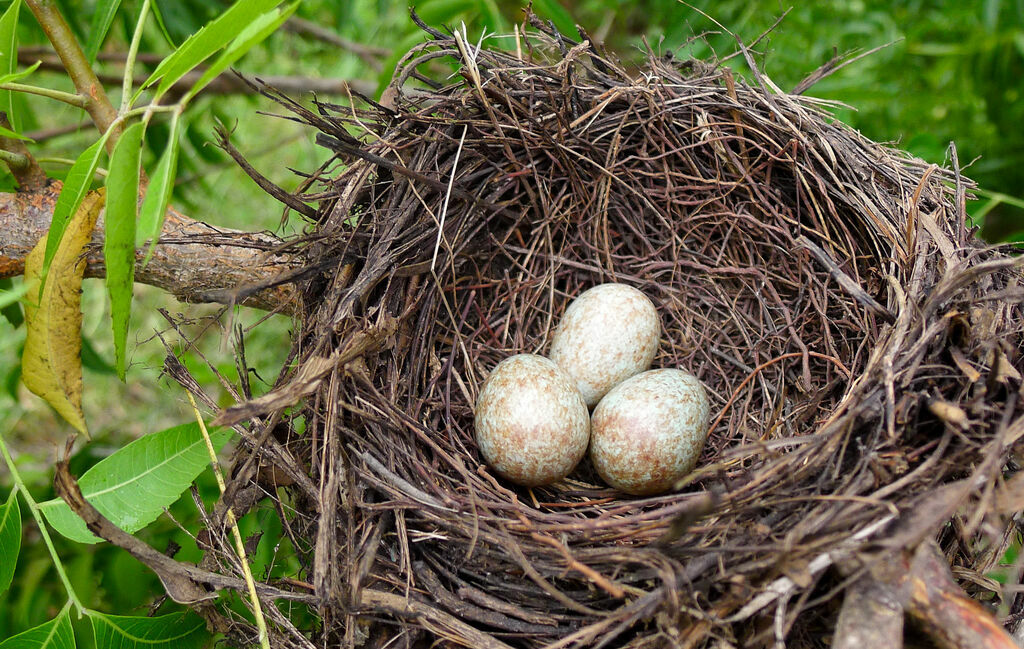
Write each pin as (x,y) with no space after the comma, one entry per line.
(949,71)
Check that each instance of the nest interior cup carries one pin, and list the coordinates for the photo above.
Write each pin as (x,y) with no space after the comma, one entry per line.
(824,288)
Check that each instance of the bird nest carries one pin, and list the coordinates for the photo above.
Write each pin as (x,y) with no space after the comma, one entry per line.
(861,350)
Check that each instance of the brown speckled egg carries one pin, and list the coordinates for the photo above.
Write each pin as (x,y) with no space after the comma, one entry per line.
(531,423)
(608,334)
(649,431)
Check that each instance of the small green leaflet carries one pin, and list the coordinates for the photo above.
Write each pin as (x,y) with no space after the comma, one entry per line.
(133,486)
(9,60)
(119,242)
(158,194)
(252,35)
(10,540)
(199,46)
(55,634)
(18,76)
(175,631)
(102,17)
(76,185)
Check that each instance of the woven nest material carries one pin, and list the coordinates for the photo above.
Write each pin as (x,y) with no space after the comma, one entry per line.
(861,350)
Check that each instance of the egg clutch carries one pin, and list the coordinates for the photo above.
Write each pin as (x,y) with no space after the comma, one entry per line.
(648,427)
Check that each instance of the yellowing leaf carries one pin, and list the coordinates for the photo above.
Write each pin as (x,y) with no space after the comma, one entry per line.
(51,365)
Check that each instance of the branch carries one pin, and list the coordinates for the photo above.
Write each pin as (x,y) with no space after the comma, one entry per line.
(77,65)
(194,261)
(921,586)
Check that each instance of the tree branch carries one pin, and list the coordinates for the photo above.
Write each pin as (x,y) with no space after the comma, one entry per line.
(77,65)
(194,261)
(920,585)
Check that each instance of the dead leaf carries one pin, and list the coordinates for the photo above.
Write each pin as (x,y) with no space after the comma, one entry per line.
(949,413)
(1004,369)
(51,364)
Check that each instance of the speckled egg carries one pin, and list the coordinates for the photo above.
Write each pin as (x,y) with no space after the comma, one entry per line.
(532,426)
(608,334)
(649,431)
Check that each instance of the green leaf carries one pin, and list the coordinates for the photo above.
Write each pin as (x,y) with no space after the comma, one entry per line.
(18,76)
(252,35)
(6,132)
(55,634)
(76,184)
(135,484)
(175,631)
(158,194)
(102,18)
(9,60)
(201,45)
(119,242)
(162,25)
(10,540)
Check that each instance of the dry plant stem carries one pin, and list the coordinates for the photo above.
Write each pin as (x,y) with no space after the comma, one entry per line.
(257,608)
(77,65)
(194,261)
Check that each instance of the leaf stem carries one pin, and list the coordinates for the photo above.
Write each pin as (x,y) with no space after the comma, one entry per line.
(34,508)
(14,160)
(129,62)
(78,101)
(261,624)
(77,66)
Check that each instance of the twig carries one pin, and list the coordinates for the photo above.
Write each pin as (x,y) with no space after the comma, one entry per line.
(70,98)
(257,608)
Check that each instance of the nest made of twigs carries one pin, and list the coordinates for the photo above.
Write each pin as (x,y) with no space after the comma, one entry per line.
(860,348)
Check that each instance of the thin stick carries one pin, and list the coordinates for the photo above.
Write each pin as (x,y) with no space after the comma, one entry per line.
(257,609)
(448,194)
